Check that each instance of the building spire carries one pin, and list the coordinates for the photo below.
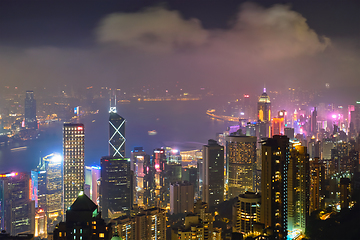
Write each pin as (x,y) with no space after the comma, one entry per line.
(112,109)
(264,88)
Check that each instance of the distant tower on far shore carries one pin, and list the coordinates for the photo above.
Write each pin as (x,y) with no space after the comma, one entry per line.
(30,111)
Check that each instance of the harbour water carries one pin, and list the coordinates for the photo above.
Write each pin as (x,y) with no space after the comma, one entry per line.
(179,124)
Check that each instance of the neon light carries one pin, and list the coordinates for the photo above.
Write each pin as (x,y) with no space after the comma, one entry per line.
(79,128)
(13,174)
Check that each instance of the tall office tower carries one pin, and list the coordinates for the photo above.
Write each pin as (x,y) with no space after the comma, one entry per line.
(317,179)
(246,211)
(83,221)
(116,188)
(289,132)
(274,185)
(47,179)
(344,193)
(17,209)
(241,160)
(213,173)
(149,183)
(92,175)
(313,125)
(298,188)
(74,159)
(264,107)
(30,111)
(116,134)
(147,225)
(249,111)
(172,174)
(159,164)
(181,197)
(137,159)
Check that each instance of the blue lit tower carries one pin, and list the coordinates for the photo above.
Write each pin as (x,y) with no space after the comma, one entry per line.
(116,133)
(30,110)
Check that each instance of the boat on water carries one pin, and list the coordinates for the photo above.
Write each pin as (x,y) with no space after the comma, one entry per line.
(152,132)
(17,149)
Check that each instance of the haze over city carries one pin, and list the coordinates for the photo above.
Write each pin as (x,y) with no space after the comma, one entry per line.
(225,47)
(207,120)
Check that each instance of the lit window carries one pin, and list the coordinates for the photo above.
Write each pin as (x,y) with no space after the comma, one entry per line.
(101,235)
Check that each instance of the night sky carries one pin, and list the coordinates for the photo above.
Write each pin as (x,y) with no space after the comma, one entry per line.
(227,46)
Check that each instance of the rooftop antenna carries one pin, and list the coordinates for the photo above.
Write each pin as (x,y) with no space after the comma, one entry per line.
(112,109)
(264,88)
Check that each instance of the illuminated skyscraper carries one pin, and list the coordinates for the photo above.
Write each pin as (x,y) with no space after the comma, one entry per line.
(246,211)
(92,175)
(317,178)
(74,158)
(298,188)
(213,173)
(264,107)
(30,111)
(116,188)
(50,188)
(241,159)
(274,185)
(116,134)
(17,209)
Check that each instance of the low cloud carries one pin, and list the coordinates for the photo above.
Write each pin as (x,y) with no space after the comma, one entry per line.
(154,29)
(270,34)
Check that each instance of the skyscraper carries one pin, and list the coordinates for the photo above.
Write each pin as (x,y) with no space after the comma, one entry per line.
(116,188)
(264,115)
(213,173)
(50,187)
(274,185)
(264,107)
(17,209)
(30,111)
(241,160)
(116,134)
(246,211)
(83,221)
(181,197)
(298,188)
(74,158)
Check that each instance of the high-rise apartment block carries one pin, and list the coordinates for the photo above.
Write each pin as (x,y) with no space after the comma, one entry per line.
(74,162)
(17,209)
(274,185)
(147,225)
(181,197)
(298,188)
(246,211)
(213,173)
(30,111)
(116,189)
(241,160)
(317,179)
